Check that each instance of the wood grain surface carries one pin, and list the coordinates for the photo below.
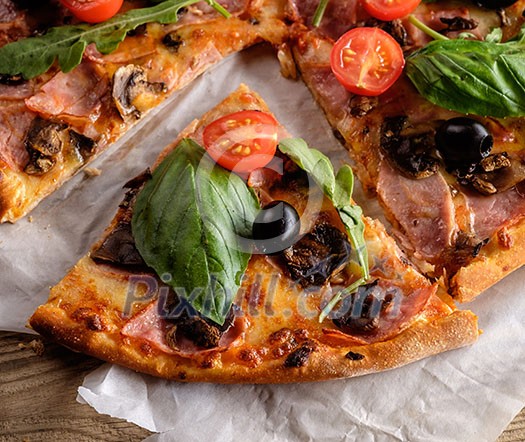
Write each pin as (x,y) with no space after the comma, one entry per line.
(38,397)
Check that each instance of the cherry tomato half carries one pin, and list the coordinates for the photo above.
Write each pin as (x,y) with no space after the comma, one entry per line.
(93,11)
(387,10)
(367,61)
(242,141)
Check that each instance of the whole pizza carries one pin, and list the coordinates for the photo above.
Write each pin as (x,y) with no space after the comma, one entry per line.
(240,255)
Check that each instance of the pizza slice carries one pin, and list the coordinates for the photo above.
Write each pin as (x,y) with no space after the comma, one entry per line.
(451,184)
(268,274)
(62,103)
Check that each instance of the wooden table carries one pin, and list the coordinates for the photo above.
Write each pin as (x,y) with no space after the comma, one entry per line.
(38,397)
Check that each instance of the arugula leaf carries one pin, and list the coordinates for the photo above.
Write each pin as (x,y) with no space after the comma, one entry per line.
(337,188)
(472,77)
(33,56)
(188,224)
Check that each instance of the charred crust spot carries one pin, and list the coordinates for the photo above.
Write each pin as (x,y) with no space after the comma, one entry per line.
(299,358)
(211,361)
(505,239)
(173,41)
(354,356)
(301,334)
(317,256)
(92,320)
(146,348)
(253,21)
(182,375)
(250,357)
(280,336)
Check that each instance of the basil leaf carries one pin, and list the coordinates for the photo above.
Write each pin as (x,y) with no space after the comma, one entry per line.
(338,189)
(311,161)
(33,56)
(472,77)
(189,222)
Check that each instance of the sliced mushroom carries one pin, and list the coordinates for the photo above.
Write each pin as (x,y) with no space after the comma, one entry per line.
(201,331)
(43,142)
(317,256)
(409,153)
(495,173)
(132,93)
(364,309)
(455,24)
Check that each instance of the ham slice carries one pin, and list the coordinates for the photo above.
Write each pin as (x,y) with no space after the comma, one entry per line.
(339,17)
(403,308)
(75,94)
(491,213)
(150,326)
(15,120)
(8,11)
(423,208)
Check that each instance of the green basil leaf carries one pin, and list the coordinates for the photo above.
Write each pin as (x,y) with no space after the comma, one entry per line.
(472,77)
(33,56)
(311,161)
(189,222)
(338,189)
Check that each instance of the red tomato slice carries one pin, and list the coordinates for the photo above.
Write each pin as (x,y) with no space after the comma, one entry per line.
(93,11)
(387,10)
(367,61)
(242,141)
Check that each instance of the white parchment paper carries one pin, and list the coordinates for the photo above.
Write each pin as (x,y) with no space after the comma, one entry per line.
(469,394)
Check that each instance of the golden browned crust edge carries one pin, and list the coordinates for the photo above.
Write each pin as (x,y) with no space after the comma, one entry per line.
(500,257)
(419,341)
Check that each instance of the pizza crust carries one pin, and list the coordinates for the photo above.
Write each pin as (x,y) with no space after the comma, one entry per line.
(500,257)
(418,342)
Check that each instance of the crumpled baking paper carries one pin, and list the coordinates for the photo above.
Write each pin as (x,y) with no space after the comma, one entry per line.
(469,394)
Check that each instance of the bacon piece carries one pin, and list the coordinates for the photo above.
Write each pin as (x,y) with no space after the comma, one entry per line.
(15,120)
(75,94)
(150,326)
(491,213)
(334,97)
(423,208)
